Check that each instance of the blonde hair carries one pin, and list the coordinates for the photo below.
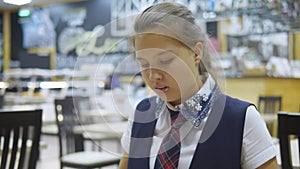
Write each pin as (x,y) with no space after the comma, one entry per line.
(177,21)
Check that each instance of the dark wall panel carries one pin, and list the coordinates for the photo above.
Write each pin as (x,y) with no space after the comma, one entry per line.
(98,12)
(16,37)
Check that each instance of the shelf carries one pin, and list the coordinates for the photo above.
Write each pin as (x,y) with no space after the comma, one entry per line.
(250,34)
(275,14)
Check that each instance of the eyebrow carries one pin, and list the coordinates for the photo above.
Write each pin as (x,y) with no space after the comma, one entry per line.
(163,52)
(140,59)
(157,54)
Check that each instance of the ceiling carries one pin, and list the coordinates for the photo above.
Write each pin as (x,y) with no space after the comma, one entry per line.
(33,3)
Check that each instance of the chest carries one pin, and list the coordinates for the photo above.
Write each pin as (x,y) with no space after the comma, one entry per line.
(220,139)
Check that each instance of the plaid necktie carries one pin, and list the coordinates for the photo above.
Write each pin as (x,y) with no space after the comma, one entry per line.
(168,154)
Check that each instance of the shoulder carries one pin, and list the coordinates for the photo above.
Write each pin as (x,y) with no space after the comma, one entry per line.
(146,110)
(258,145)
(146,103)
(253,116)
(255,126)
(237,107)
(234,107)
(237,103)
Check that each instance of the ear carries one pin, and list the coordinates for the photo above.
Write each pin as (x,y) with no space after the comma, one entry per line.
(198,52)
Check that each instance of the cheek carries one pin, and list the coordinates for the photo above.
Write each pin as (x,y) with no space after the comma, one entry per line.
(183,76)
(181,71)
(145,75)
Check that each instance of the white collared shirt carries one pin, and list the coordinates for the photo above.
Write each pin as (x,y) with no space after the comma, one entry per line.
(257,147)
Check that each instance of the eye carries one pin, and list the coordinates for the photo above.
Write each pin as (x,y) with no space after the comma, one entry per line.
(143,64)
(166,61)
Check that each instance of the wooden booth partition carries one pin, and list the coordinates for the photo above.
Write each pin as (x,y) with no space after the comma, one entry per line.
(250,88)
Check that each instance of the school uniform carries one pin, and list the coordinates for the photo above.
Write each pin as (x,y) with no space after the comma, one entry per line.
(230,135)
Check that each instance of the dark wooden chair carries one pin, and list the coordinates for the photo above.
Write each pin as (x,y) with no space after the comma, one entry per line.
(17,130)
(82,105)
(270,105)
(288,124)
(2,100)
(71,145)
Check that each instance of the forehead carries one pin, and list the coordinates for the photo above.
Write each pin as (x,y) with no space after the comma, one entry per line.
(155,41)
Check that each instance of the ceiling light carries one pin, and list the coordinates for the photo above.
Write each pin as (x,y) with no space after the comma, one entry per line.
(24,12)
(3,85)
(17,2)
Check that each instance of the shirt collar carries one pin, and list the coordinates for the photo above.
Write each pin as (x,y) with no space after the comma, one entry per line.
(196,108)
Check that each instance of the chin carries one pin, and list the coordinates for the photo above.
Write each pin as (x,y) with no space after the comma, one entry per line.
(173,102)
(169,99)
(163,97)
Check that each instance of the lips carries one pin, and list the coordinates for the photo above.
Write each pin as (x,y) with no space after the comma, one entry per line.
(162,89)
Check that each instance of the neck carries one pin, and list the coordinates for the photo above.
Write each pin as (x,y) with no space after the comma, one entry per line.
(190,92)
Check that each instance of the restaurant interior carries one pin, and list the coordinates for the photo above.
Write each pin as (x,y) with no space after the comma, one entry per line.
(68,78)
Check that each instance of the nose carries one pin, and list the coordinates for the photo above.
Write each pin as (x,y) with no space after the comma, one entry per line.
(154,75)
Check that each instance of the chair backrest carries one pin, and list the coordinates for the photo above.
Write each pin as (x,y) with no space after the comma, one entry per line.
(269,104)
(288,124)
(17,130)
(67,119)
(82,104)
(2,100)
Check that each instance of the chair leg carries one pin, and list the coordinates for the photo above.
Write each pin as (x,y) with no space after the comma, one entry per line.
(79,142)
(99,146)
(96,144)
(119,145)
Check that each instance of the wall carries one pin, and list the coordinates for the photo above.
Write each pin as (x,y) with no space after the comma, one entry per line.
(296,47)
(98,12)
(250,89)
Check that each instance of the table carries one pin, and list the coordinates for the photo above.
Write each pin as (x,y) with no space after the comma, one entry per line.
(109,128)
(48,116)
(294,153)
(102,114)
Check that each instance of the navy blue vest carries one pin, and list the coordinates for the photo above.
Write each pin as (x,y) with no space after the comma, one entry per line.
(222,150)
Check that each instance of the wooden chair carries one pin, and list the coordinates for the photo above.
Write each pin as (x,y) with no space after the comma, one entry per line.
(71,145)
(288,124)
(270,105)
(2,100)
(81,106)
(17,129)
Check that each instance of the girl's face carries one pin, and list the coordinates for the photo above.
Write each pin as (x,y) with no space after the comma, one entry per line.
(169,68)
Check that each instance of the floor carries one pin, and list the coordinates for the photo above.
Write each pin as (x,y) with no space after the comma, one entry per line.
(49,157)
